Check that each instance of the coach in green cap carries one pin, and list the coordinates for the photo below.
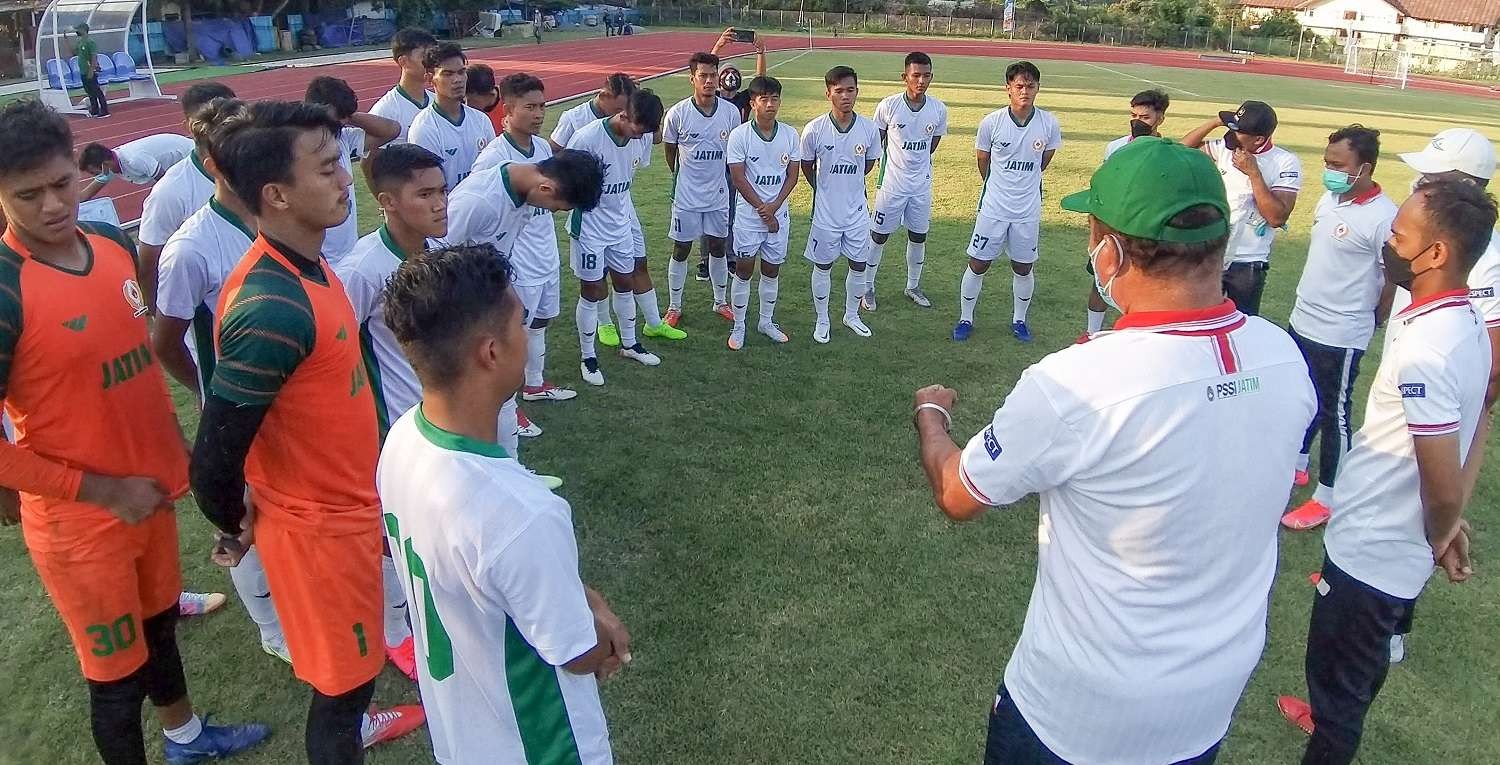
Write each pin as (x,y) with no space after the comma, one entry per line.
(1162,453)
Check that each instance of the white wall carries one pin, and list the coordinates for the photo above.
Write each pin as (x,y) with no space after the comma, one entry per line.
(1376,22)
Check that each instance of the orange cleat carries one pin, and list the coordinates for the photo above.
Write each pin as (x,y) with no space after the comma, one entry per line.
(404,656)
(1315,578)
(725,311)
(1310,515)
(674,315)
(1300,478)
(1297,712)
(391,724)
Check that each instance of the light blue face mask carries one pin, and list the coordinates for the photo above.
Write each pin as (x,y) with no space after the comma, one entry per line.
(1104,289)
(104,177)
(1339,182)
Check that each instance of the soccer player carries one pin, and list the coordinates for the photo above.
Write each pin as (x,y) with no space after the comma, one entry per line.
(1338,301)
(447,127)
(1148,110)
(512,640)
(1263,180)
(410,96)
(288,383)
(604,238)
(911,125)
(838,150)
(142,161)
(194,265)
(482,93)
(1157,538)
(362,134)
(184,188)
(1013,148)
(98,457)
(694,137)
(534,254)
(1398,505)
(763,161)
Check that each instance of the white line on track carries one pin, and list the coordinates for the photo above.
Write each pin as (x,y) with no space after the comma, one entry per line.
(1142,79)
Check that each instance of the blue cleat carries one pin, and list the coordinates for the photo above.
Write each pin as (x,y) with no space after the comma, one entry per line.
(216,741)
(1021,331)
(962,331)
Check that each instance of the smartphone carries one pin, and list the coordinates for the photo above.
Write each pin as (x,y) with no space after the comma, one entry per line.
(743,35)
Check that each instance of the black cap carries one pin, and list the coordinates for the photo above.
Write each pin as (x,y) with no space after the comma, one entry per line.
(1252,118)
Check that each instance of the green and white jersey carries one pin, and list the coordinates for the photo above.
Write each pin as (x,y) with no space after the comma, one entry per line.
(839,203)
(702,180)
(906,169)
(457,142)
(485,209)
(194,264)
(534,253)
(400,106)
(609,224)
(490,566)
(766,160)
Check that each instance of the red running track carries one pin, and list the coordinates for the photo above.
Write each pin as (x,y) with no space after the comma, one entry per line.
(577,67)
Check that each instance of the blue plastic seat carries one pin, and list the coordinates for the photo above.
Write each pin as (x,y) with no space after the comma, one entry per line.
(125,68)
(56,73)
(105,69)
(75,78)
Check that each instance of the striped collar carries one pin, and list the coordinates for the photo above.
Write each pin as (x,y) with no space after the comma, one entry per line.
(1224,317)
(1436,301)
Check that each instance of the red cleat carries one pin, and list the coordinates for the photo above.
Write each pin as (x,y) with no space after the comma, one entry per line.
(525,427)
(1297,712)
(725,311)
(1300,478)
(391,724)
(404,656)
(673,317)
(1083,338)
(1315,578)
(1310,515)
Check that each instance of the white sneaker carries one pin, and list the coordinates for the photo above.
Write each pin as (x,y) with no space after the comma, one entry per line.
(917,296)
(552,482)
(820,332)
(769,329)
(199,603)
(591,372)
(548,392)
(853,322)
(275,645)
(529,430)
(639,353)
(737,337)
(1398,648)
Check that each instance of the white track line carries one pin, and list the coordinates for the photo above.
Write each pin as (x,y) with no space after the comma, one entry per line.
(1142,79)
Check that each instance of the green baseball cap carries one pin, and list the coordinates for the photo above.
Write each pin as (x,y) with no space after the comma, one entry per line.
(1146,184)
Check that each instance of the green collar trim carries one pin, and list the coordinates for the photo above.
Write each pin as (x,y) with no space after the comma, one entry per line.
(527,153)
(853,118)
(454,442)
(709,113)
(426,97)
(510,190)
(390,243)
(762,136)
(594,107)
(613,136)
(228,215)
(463,111)
(198,163)
(919,106)
(1017,122)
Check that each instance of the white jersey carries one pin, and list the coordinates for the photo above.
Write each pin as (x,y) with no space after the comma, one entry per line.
(1431,382)
(766,161)
(1013,192)
(491,571)
(1116,145)
(194,264)
(609,224)
(186,187)
(571,120)
(700,184)
(534,253)
(907,166)
(1342,280)
(484,209)
(143,159)
(458,142)
(398,105)
(839,200)
(1484,288)
(339,240)
(1157,537)
(1250,236)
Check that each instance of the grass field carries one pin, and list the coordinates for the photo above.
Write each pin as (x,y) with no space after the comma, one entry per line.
(759,521)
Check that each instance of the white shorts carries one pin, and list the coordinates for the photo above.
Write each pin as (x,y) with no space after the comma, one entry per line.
(824,247)
(771,248)
(541,301)
(689,226)
(589,263)
(1018,240)
(893,211)
(638,237)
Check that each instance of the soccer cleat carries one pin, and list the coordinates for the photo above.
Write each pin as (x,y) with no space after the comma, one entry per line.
(639,353)
(1083,338)
(199,603)
(1300,478)
(664,331)
(962,330)
(725,311)
(1398,649)
(547,392)
(591,372)
(390,724)
(525,427)
(820,332)
(867,300)
(858,327)
(736,338)
(673,317)
(703,270)
(1315,578)
(772,331)
(552,482)
(916,295)
(276,646)
(1021,331)
(1310,515)
(609,335)
(404,656)
(216,741)
(1297,712)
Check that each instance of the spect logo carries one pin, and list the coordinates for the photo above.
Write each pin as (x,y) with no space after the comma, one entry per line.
(901,126)
(1244,386)
(1481,292)
(1413,390)
(450,152)
(992,444)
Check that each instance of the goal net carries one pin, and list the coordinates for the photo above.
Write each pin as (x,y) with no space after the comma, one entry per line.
(1390,67)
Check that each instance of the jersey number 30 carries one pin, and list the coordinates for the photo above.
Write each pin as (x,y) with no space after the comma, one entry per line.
(439,646)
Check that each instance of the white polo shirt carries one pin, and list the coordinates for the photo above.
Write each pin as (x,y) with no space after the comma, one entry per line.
(1161,451)
(195,262)
(340,239)
(143,159)
(571,120)
(456,142)
(906,169)
(186,187)
(1484,288)
(1250,236)
(1431,382)
(1342,280)
(702,180)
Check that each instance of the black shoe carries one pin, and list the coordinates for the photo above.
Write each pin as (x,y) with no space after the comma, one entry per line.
(703,270)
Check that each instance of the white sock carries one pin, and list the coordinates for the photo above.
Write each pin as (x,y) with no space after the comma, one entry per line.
(603,307)
(536,355)
(916,255)
(739,300)
(677,273)
(1023,287)
(1096,321)
(1302,461)
(249,580)
(872,263)
(625,317)
(649,310)
(822,284)
(1323,494)
(509,438)
(396,628)
(968,292)
(769,286)
(186,734)
(586,315)
(718,273)
(854,289)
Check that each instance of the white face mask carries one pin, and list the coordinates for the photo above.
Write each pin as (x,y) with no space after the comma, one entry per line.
(1104,289)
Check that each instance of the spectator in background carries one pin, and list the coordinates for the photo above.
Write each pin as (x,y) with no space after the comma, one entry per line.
(88,71)
(142,161)
(483,94)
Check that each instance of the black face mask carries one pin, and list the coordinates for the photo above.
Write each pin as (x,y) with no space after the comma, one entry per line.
(1231,140)
(1139,129)
(1398,269)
